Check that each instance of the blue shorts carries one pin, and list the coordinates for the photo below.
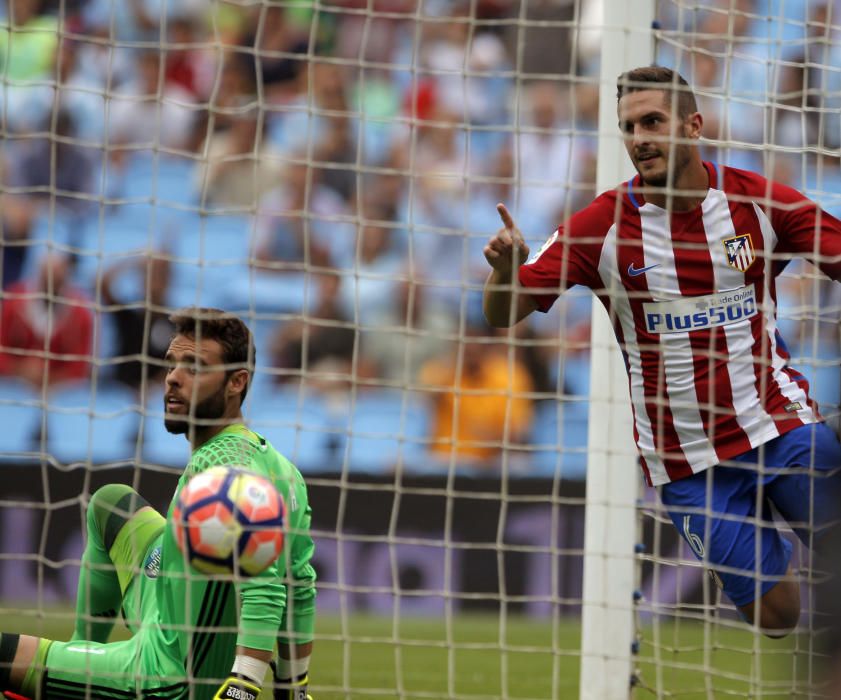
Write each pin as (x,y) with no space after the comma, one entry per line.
(800,478)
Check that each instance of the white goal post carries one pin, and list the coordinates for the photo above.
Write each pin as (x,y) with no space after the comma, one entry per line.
(613,478)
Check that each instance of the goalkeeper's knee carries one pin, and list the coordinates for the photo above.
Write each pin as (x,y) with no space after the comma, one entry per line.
(111,507)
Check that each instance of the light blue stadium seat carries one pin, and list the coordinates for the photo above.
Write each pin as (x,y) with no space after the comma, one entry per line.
(93,423)
(164,179)
(559,440)
(269,292)
(302,427)
(128,230)
(48,233)
(388,427)
(576,368)
(20,414)
(211,253)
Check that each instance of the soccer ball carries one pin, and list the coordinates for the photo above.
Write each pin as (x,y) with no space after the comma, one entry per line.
(229,520)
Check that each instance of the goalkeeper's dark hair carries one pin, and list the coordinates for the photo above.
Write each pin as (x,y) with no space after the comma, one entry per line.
(659,78)
(226,329)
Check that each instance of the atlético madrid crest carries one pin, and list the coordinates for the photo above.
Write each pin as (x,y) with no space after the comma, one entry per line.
(740,252)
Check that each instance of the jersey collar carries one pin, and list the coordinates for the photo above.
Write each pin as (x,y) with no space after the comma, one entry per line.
(638,200)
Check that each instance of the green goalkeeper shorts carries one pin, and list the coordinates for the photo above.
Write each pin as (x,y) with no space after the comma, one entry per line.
(139,666)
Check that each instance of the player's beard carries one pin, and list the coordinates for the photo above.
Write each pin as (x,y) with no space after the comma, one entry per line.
(210,409)
(681,155)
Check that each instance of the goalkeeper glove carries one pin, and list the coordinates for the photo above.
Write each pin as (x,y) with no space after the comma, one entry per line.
(238,687)
(287,689)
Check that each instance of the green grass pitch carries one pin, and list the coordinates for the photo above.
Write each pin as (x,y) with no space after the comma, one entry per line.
(366,657)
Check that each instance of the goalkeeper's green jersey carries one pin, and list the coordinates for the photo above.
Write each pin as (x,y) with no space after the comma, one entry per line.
(201,620)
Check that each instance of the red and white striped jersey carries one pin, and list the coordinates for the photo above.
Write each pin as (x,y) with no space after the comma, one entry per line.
(692,300)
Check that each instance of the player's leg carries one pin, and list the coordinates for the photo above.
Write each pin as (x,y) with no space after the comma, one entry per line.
(779,608)
(120,527)
(804,482)
(22,662)
(806,490)
(726,531)
(39,668)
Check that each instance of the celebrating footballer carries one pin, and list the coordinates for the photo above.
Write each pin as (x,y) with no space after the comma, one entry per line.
(684,257)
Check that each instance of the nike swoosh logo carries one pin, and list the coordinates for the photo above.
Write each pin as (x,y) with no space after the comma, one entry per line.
(636,272)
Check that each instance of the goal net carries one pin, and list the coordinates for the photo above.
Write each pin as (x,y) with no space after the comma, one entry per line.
(329,170)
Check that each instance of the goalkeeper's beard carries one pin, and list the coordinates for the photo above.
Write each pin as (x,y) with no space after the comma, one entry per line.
(210,409)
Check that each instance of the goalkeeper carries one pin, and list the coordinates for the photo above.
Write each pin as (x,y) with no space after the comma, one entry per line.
(192,636)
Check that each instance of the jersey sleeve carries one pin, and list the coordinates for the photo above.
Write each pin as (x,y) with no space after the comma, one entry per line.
(571,255)
(297,626)
(803,228)
(262,601)
(280,602)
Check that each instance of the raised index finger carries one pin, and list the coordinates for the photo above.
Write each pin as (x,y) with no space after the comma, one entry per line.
(507,221)
(509,224)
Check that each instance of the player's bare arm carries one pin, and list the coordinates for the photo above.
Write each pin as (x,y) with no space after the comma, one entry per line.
(505,252)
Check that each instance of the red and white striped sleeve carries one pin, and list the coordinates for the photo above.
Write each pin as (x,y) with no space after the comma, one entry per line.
(571,255)
(802,227)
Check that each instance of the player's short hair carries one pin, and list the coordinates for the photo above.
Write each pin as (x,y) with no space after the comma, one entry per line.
(658,78)
(226,329)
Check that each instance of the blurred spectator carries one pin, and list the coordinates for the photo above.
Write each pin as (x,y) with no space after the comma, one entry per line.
(465,71)
(233,91)
(16,217)
(407,334)
(299,223)
(810,86)
(46,331)
(303,120)
(377,98)
(533,353)
(479,400)
(39,168)
(138,20)
(50,163)
(500,186)
(435,207)
(280,47)
(27,41)
(546,37)
(552,161)
(321,345)
(376,271)
(142,330)
(147,113)
(79,89)
(183,64)
(705,77)
(337,151)
(241,165)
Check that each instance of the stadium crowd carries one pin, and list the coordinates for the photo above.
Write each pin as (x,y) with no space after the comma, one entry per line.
(333,176)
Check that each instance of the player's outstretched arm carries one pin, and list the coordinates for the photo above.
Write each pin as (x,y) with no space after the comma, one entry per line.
(505,252)
(23,660)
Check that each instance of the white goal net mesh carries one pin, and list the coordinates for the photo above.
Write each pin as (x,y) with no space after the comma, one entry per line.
(329,171)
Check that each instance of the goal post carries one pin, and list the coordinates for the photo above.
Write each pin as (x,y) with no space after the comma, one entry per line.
(607,633)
